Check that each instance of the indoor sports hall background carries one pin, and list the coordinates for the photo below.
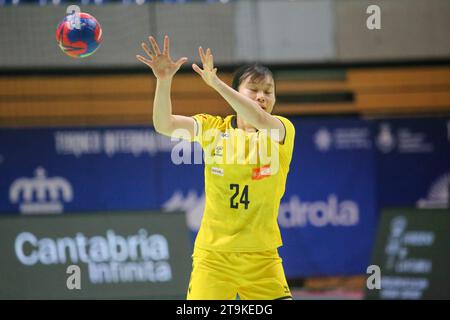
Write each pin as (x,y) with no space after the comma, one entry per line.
(86,182)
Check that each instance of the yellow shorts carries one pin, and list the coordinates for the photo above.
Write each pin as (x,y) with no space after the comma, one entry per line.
(252,275)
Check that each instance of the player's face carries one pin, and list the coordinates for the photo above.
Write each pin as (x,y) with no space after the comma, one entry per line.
(262,91)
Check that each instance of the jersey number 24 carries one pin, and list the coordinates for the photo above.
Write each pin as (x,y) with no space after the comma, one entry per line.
(234,204)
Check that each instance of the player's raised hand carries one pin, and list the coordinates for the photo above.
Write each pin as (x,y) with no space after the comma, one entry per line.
(162,65)
(208,73)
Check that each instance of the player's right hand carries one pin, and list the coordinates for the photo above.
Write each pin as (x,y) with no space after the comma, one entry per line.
(162,65)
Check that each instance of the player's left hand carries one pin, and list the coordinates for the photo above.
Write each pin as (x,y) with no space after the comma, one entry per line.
(208,73)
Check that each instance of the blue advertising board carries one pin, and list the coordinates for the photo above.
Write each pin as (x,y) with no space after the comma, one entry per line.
(328,213)
(342,173)
(69,170)
(413,162)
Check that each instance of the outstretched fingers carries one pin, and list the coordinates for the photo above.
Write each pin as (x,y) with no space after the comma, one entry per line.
(143,60)
(147,50)
(210,59)
(181,61)
(197,69)
(154,45)
(166,45)
(202,55)
(206,58)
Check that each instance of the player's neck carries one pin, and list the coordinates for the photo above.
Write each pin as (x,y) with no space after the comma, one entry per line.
(241,124)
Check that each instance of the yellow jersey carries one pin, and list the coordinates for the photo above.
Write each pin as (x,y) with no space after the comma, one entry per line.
(245,178)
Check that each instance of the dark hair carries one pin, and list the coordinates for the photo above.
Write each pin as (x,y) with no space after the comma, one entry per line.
(254,71)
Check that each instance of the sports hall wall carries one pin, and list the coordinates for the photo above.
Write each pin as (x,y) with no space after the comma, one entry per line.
(371,110)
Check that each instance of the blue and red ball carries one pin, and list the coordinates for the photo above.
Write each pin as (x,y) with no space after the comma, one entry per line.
(82,42)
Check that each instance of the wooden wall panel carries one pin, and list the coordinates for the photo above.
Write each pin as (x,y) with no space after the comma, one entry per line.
(128,98)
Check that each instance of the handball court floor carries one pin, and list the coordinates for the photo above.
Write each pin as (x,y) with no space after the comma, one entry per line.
(329,288)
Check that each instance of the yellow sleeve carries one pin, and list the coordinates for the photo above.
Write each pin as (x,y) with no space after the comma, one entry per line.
(287,146)
(205,124)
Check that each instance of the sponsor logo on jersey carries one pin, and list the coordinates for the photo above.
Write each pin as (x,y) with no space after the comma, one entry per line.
(217,171)
(262,172)
(218,151)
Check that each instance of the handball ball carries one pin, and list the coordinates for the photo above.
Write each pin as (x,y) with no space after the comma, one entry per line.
(79,42)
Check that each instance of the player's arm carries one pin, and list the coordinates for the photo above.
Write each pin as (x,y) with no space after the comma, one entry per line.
(164,69)
(248,109)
